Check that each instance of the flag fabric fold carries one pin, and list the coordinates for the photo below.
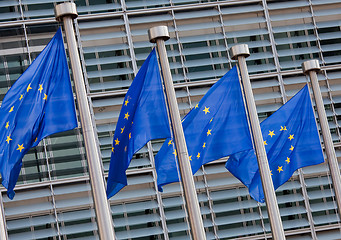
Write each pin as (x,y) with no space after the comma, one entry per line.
(38,104)
(291,141)
(216,127)
(143,117)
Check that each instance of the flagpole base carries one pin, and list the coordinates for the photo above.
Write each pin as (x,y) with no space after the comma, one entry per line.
(65,9)
(311,65)
(240,50)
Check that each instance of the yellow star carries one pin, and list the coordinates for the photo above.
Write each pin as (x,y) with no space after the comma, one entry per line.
(7,125)
(126,102)
(11,110)
(112,149)
(40,88)
(21,96)
(190,157)
(122,129)
(206,110)
(8,139)
(45,96)
(291,148)
(211,120)
(288,160)
(203,146)
(35,139)
(291,137)
(209,132)
(129,135)
(117,142)
(271,133)
(125,148)
(271,172)
(196,106)
(126,116)
(20,147)
(28,87)
(169,142)
(198,156)
(265,143)
(280,169)
(283,128)
(175,154)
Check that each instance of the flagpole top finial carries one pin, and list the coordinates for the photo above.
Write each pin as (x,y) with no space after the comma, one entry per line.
(311,65)
(158,32)
(240,50)
(65,9)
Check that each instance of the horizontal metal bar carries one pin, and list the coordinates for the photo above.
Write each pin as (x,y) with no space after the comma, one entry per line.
(212,81)
(130,12)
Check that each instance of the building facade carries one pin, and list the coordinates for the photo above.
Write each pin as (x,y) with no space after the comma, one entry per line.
(53,196)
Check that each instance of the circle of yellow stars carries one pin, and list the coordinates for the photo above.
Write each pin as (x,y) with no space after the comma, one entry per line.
(12,109)
(206,110)
(126,116)
(291,137)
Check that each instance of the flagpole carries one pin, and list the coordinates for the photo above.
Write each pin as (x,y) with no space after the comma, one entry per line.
(159,35)
(3,229)
(311,68)
(66,12)
(240,52)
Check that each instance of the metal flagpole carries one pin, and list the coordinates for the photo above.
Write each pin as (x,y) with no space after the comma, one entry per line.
(3,229)
(311,68)
(240,52)
(66,12)
(159,35)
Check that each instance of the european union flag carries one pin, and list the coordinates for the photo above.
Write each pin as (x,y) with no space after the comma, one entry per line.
(216,127)
(143,117)
(291,141)
(38,104)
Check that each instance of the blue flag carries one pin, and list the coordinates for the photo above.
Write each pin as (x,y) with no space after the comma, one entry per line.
(143,117)
(216,127)
(291,141)
(38,104)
